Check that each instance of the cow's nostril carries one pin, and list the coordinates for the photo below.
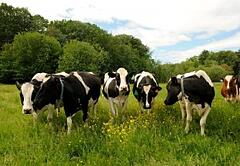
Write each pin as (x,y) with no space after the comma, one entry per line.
(28,111)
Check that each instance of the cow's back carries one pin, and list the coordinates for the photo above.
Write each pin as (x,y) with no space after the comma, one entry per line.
(93,82)
(198,90)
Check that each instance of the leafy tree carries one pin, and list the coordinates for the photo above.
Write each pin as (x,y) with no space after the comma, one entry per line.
(80,56)
(39,24)
(12,21)
(28,54)
(203,56)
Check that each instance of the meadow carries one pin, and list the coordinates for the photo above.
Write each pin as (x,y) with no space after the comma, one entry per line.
(133,138)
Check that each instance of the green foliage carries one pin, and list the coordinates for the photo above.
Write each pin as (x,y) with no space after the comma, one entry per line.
(12,21)
(80,56)
(28,54)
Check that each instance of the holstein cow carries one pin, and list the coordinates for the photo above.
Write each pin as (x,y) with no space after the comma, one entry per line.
(145,89)
(28,91)
(75,91)
(116,89)
(195,91)
(230,88)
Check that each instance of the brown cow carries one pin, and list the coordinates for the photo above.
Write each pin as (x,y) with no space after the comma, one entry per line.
(230,88)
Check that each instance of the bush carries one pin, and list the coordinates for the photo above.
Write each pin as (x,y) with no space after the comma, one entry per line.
(79,56)
(28,54)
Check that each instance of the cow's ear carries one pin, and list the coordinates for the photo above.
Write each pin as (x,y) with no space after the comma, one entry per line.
(174,80)
(111,74)
(18,85)
(221,79)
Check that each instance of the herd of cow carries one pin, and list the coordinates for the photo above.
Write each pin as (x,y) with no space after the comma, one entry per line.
(80,90)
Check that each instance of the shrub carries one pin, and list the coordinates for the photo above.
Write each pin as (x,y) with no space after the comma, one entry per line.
(28,54)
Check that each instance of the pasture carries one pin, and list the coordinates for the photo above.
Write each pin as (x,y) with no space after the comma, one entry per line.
(134,139)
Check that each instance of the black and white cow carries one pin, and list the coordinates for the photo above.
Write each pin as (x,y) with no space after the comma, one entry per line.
(145,89)
(28,91)
(76,91)
(194,91)
(116,89)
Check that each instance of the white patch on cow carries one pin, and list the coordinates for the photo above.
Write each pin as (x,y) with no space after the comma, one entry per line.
(145,74)
(123,74)
(199,73)
(228,79)
(202,73)
(106,77)
(39,76)
(62,74)
(136,76)
(27,90)
(81,80)
(46,79)
(146,89)
(106,87)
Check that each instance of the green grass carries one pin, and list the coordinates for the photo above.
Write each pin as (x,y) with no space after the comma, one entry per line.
(133,139)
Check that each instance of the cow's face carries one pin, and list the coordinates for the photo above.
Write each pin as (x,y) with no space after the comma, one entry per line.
(173,90)
(27,95)
(148,93)
(122,80)
(47,93)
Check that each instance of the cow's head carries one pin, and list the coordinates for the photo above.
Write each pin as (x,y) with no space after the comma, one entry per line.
(122,80)
(49,91)
(28,92)
(173,91)
(148,93)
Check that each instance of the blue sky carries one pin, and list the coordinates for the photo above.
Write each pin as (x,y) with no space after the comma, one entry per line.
(174,30)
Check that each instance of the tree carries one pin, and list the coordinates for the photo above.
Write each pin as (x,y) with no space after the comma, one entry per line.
(12,21)
(29,54)
(39,24)
(80,56)
(203,56)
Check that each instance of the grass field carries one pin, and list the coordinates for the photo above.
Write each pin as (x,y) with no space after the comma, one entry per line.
(134,139)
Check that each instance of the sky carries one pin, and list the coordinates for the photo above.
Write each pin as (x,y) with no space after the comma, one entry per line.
(174,30)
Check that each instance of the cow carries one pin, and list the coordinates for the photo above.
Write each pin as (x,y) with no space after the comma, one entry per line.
(116,89)
(28,92)
(145,89)
(195,91)
(76,91)
(230,88)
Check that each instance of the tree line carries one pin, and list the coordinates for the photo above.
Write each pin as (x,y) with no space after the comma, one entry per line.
(31,44)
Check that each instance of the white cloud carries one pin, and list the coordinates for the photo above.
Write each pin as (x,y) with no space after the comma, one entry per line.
(155,22)
(232,42)
(152,37)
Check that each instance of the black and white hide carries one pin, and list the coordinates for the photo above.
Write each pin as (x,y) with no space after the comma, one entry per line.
(145,89)
(194,91)
(28,91)
(116,89)
(76,92)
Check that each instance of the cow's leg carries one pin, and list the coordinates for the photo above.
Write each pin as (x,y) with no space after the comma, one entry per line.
(183,111)
(50,115)
(35,116)
(95,105)
(69,124)
(141,107)
(85,111)
(204,118)
(111,106)
(189,115)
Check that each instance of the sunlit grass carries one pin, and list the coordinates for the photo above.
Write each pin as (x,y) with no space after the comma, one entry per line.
(157,138)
